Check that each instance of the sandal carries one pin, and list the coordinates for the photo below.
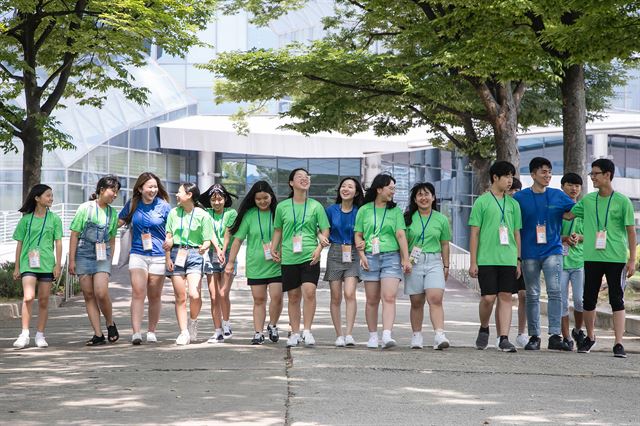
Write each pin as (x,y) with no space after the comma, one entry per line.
(112,332)
(96,340)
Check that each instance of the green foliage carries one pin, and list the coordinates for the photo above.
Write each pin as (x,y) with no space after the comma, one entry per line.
(9,288)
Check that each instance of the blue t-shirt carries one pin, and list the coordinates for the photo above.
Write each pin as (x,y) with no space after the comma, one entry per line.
(539,209)
(341,224)
(148,216)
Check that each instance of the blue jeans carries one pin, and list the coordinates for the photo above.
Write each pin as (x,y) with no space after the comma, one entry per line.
(551,266)
(576,276)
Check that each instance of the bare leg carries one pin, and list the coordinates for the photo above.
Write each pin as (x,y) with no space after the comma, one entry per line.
(389,289)
(91,305)
(195,301)
(504,312)
(336,302)
(101,290)
(294,296)
(416,314)
(154,294)
(275,305)
(28,295)
(436,311)
(180,292)
(485,309)
(350,285)
(138,279)
(372,292)
(309,307)
(216,310)
(44,290)
(259,293)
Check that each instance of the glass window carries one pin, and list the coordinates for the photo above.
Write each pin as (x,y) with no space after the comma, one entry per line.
(285,166)
(119,161)
(11,176)
(50,160)
(140,138)
(324,171)
(81,164)
(350,167)
(401,158)
(99,159)
(158,165)
(261,169)
(154,138)
(234,173)
(76,194)
(633,157)
(121,140)
(74,177)
(10,160)
(11,196)
(173,167)
(174,115)
(53,176)
(139,162)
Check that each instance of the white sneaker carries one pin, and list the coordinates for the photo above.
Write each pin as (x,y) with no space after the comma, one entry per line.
(416,341)
(183,338)
(216,338)
(387,340)
(22,341)
(522,340)
(498,343)
(308,338)
(293,340)
(226,330)
(151,337)
(41,341)
(349,340)
(136,339)
(440,341)
(373,342)
(192,327)
(340,342)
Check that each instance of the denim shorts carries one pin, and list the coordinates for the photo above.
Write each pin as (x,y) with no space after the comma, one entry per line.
(382,265)
(213,266)
(427,272)
(193,265)
(86,263)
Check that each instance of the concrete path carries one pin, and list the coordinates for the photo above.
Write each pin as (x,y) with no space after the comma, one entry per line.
(69,383)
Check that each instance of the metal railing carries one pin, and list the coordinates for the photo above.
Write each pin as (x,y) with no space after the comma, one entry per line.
(460,260)
(9,220)
(71,282)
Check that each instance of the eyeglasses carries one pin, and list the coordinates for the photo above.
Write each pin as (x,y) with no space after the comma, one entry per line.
(594,174)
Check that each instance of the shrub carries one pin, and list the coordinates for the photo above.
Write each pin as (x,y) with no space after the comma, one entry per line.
(9,288)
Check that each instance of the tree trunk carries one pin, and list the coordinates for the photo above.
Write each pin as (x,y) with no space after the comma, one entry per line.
(481,179)
(505,128)
(31,157)
(574,120)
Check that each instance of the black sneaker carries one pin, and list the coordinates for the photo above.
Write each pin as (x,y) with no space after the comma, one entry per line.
(482,341)
(533,345)
(258,339)
(274,335)
(506,346)
(96,340)
(568,343)
(587,345)
(578,336)
(618,351)
(556,343)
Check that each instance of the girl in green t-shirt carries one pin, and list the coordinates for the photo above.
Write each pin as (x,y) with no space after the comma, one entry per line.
(217,202)
(91,247)
(37,232)
(255,223)
(428,233)
(380,224)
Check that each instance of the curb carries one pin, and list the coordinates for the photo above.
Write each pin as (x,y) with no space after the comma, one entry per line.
(13,310)
(604,319)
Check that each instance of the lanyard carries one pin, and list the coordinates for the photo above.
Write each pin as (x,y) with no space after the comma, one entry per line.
(606,215)
(349,227)
(182,230)
(535,203)
(424,225)
(504,205)
(374,220)
(571,226)
(46,213)
(260,225)
(304,214)
(215,231)
(106,225)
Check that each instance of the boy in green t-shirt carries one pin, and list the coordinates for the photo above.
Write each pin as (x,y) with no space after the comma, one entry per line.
(495,223)
(609,228)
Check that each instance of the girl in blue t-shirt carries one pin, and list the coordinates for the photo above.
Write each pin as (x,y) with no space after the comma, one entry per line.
(146,214)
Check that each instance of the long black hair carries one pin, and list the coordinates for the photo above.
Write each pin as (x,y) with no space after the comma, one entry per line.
(30,202)
(358,198)
(291,175)
(249,201)
(192,188)
(380,181)
(108,181)
(136,195)
(216,188)
(413,206)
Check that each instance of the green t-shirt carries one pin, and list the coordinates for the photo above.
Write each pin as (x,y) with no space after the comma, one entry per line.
(436,230)
(315,218)
(201,228)
(486,214)
(620,216)
(575,258)
(250,228)
(28,231)
(89,211)
(220,224)
(385,229)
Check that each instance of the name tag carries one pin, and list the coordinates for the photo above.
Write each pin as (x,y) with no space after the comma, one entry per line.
(181,257)
(415,254)
(601,240)
(346,253)
(34,258)
(101,251)
(297,244)
(147,243)
(565,249)
(541,234)
(375,245)
(266,248)
(504,235)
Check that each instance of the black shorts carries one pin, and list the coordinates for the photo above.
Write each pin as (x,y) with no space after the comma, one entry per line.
(520,284)
(40,276)
(263,281)
(616,274)
(497,279)
(294,275)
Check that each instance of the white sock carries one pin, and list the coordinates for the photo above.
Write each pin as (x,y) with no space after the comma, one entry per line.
(386,333)
(417,333)
(25,332)
(373,334)
(39,334)
(219,330)
(439,331)
(305,332)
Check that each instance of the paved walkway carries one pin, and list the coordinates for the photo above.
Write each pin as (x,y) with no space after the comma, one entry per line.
(69,383)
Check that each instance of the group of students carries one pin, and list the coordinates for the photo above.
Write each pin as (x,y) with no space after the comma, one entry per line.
(370,239)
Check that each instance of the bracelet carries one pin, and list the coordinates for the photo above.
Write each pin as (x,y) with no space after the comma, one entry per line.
(446,267)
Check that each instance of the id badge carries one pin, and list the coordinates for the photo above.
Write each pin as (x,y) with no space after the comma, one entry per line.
(346,253)
(34,258)
(415,254)
(565,249)
(504,235)
(375,245)
(541,234)
(297,244)
(101,251)
(601,240)
(181,257)
(147,243)
(266,248)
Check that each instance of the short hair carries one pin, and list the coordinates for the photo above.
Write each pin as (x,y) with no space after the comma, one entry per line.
(501,168)
(516,185)
(537,163)
(605,165)
(573,178)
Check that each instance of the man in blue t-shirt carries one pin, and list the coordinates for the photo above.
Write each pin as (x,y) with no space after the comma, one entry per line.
(542,214)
